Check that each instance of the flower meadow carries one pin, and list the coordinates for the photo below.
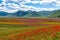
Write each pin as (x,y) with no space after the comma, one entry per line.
(52,33)
(29,30)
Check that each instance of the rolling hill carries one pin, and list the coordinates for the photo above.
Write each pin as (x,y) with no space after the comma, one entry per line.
(29,13)
(56,14)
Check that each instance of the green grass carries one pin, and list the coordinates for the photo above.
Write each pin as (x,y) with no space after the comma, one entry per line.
(6,30)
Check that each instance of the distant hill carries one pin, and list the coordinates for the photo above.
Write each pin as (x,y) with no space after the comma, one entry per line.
(45,13)
(56,14)
(3,13)
(29,13)
(20,13)
(33,14)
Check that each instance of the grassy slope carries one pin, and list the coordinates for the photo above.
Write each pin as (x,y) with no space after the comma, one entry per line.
(56,14)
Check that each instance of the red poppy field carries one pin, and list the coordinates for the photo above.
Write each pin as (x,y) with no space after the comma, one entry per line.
(29,29)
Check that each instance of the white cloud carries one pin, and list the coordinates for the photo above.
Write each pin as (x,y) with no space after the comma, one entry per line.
(11,7)
(58,3)
(13,0)
(25,8)
(10,11)
(44,9)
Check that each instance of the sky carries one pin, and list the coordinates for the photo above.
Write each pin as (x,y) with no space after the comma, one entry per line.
(25,5)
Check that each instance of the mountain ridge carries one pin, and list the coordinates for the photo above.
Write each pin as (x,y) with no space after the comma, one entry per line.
(29,13)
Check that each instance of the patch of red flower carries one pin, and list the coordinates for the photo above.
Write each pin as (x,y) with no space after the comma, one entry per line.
(29,34)
(53,30)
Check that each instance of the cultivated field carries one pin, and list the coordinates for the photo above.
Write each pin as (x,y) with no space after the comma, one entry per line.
(29,29)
